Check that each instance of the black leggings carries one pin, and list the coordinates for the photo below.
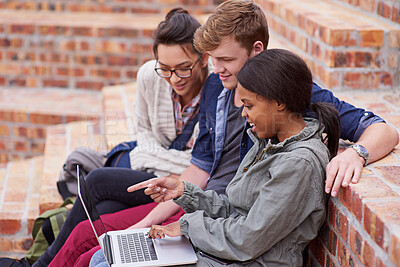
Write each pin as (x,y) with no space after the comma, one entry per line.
(107,188)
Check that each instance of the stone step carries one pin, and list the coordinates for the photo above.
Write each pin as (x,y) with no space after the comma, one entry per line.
(73,50)
(385,9)
(25,114)
(60,142)
(347,49)
(19,204)
(114,127)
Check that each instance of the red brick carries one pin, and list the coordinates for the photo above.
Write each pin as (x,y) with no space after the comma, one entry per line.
(338,37)
(396,14)
(36,133)
(22,245)
(74,72)
(394,250)
(21,82)
(66,45)
(115,32)
(344,255)
(89,85)
(13,116)
(55,83)
(4,130)
(37,147)
(53,30)
(316,247)
(106,73)
(338,221)
(357,80)
(367,5)
(20,131)
(45,119)
(2,79)
(54,57)
(83,31)
(21,146)
(131,74)
(371,38)
(141,48)
(5,244)
(9,226)
(89,60)
(110,47)
(121,61)
(384,10)
(383,78)
(390,173)
(21,28)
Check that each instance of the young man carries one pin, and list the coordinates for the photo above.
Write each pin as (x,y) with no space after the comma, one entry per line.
(234,32)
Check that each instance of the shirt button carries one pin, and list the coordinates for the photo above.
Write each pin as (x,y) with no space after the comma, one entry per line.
(210,129)
(221,112)
(245,169)
(366,114)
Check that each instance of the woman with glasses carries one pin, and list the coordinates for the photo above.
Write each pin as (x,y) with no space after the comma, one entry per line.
(165,115)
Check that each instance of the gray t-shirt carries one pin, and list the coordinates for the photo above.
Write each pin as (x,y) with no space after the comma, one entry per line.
(229,162)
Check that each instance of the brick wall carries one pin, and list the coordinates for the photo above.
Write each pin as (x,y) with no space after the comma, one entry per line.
(343,52)
(110,6)
(25,114)
(72,51)
(388,9)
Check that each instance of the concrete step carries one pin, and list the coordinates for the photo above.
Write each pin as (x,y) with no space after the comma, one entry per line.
(25,114)
(347,49)
(19,204)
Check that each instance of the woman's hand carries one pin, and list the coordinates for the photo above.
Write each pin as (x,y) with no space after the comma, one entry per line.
(160,189)
(172,229)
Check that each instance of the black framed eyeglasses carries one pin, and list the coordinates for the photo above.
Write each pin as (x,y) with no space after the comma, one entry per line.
(181,73)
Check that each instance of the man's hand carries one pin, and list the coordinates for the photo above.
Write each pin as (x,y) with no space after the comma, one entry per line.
(160,189)
(172,229)
(346,167)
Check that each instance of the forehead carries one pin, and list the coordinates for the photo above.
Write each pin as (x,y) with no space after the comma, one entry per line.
(244,93)
(173,55)
(229,48)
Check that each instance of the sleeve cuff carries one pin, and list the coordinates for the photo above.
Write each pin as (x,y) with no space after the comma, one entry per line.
(366,120)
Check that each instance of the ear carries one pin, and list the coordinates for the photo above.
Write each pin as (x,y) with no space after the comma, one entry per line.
(258,47)
(281,106)
(204,60)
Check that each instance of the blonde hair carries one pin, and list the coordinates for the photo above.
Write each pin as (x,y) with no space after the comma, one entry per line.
(243,20)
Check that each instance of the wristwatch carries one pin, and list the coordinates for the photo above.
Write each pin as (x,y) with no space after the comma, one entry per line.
(362,152)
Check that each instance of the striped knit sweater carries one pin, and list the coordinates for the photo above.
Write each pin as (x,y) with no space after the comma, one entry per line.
(154,124)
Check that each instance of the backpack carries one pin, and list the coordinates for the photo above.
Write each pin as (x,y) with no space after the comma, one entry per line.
(45,230)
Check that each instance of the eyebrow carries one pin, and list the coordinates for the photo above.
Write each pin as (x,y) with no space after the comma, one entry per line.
(178,65)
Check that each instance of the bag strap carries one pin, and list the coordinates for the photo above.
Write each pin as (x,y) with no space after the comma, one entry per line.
(181,140)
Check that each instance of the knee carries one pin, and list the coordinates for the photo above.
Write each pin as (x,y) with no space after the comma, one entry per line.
(95,177)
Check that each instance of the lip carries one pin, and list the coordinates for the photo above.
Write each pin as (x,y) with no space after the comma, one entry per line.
(224,77)
(179,87)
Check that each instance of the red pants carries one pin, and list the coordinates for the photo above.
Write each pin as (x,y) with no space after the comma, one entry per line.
(82,243)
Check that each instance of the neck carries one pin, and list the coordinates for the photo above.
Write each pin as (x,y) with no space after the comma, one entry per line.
(292,124)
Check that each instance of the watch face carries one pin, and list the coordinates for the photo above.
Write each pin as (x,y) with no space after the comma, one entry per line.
(363,149)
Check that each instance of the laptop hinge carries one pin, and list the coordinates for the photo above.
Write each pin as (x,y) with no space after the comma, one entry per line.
(108,249)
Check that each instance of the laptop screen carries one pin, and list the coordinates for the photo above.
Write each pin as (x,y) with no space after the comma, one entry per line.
(90,206)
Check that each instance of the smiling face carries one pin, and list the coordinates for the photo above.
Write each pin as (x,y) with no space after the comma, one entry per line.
(264,115)
(174,57)
(228,58)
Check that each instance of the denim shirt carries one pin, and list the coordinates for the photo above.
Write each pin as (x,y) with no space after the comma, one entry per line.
(207,150)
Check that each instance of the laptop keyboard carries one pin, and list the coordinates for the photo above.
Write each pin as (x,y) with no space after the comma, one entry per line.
(136,247)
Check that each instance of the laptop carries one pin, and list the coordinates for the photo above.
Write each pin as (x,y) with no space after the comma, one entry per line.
(133,247)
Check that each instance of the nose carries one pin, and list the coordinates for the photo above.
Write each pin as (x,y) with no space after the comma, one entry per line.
(218,68)
(244,113)
(174,78)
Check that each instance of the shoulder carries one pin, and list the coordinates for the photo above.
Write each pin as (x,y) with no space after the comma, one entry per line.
(212,87)
(148,78)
